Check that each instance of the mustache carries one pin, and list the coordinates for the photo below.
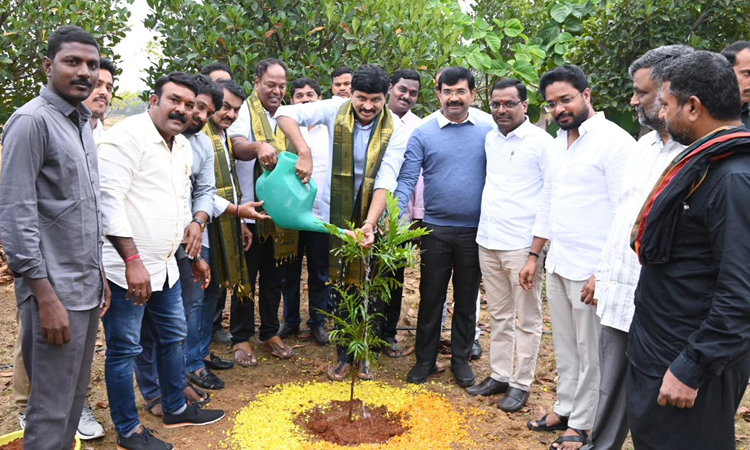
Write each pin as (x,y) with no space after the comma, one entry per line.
(177,116)
(364,110)
(103,97)
(456,103)
(82,82)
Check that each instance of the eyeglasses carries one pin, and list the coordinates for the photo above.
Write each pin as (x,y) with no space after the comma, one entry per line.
(449,93)
(494,106)
(551,106)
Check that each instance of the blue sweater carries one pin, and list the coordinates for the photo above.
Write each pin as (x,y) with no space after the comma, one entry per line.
(453,163)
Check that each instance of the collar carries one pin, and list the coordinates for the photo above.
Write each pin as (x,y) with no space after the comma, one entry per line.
(588,126)
(63,106)
(520,132)
(444,121)
(153,135)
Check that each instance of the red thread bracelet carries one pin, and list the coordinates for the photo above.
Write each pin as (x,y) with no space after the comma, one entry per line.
(132,258)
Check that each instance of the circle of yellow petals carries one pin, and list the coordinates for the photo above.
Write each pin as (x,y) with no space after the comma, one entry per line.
(268,422)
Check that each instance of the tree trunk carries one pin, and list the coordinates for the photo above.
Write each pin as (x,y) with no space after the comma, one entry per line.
(353,372)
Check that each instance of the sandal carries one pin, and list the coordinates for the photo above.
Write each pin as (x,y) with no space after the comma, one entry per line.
(582,438)
(198,393)
(277,348)
(152,404)
(393,350)
(339,372)
(541,424)
(242,358)
(366,373)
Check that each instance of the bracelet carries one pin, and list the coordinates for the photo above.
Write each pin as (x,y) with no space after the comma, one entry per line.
(196,259)
(238,211)
(366,221)
(200,223)
(132,258)
(534,254)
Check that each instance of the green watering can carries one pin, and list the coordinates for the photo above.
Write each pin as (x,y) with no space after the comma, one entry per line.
(288,201)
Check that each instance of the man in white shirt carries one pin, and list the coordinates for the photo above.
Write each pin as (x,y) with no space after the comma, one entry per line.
(341,82)
(585,166)
(313,245)
(612,287)
(516,162)
(366,132)
(101,97)
(145,165)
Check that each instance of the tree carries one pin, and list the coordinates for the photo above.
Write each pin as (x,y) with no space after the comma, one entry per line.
(313,37)
(127,104)
(621,31)
(25,27)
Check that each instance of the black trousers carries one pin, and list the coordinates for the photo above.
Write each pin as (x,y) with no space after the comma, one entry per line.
(708,424)
(392,310)
(448,251)
(260,259)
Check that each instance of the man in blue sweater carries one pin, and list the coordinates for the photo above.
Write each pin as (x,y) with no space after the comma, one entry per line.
(449,149)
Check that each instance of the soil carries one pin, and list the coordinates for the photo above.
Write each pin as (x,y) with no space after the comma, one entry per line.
(18,445)
(369,426)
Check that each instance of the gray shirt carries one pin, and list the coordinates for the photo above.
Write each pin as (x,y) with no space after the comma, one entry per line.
(202,177)
(50,220)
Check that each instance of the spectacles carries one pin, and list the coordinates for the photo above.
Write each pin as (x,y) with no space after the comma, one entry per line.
(494,106)
(551,106)
(449,93)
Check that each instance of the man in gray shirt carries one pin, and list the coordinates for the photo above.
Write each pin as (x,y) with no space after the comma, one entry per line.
(51,228)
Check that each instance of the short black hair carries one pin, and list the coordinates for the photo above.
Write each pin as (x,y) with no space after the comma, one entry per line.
(263,66)
(658,59)
(406,74)
(570,74)
(708,76)
(730,52)
(180,78)
(453,75)
(216,66)
(68,33)
(512,82)
(232,87)
(340,71)
(370,79)
(299,83)
(208,87)
(109,66)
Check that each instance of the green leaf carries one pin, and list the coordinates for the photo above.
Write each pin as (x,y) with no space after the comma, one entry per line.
(513,28)
(549,32)
(560,11)
(526,72)
(494,41)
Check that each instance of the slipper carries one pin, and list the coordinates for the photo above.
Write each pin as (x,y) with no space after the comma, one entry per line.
(199,393)
(278,348)
(339,372)
(153,403)
(541,424)
(366,373)
(393,350)
(582,438)
(241,360)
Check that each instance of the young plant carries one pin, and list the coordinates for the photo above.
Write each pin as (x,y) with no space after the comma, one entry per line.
(393,249)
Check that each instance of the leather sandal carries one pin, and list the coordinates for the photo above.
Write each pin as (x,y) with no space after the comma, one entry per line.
(339,372)
(241,359)
(153,403)
(541,424)
(582,438)
(199,393)
(278,348)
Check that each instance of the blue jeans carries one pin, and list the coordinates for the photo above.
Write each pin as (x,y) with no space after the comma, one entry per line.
(200,320)
(165,317)
(315,247)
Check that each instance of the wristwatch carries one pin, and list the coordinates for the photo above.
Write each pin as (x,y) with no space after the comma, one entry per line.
(200,223)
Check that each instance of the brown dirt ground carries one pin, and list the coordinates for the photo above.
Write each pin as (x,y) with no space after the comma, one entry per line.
(493,430)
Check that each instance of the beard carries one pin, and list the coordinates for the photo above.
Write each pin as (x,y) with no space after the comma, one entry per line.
(578,119)
(680,134)
(649,117)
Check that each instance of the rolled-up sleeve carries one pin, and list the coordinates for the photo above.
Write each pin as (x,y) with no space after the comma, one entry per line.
(220,205)
(118,164)
(314,113)
(204,185)
(392,160)
(24,147)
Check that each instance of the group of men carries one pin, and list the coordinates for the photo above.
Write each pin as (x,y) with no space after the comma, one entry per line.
(152,224)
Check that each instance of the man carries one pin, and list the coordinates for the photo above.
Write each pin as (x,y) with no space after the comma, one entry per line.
(145,168)
(363,131)
(224,243)
(101,97)
(738,55)
(451,246)
(254,135)
(201,204)
(51,231)
(314,245)
(341,82)
(516,161)
(585,166)
(217,71)
(690,337)
(613,285)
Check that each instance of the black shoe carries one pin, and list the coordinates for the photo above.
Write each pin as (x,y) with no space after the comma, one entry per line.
(286,330)
(488,386)
(463,373)
(320,335)
(419,373)
(192,416)
(215,363)
(476,351)
(144,440)
(514,400)
(206,379)
(222,336)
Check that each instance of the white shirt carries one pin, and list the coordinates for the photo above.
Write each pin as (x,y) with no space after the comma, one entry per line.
(473,112)
(145,195)
(220,203)
(415,208)
(324,112)
(98,131)
(317,140)
(513,188)
(619,269)
(581,187)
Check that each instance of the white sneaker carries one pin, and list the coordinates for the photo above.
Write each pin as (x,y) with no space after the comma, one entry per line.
(22,420)
(88,427)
